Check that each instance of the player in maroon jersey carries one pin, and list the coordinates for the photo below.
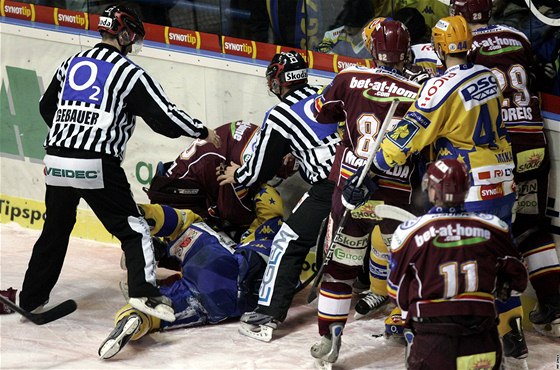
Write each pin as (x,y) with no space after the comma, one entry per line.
(361,97)
(508,53)
(446,268)
(190,181)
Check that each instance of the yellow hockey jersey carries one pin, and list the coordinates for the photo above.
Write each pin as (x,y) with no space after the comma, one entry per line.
(458,114)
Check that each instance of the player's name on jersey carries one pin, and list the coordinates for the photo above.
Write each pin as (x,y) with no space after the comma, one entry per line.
(517,113)
(77,116)
(381,88)
(497,42)
(451,234)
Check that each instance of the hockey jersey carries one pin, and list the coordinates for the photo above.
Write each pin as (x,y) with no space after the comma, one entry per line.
(198,163)
(447,262)
(220,279)
(360,97)
(508,53)
(458,114)
(424,56)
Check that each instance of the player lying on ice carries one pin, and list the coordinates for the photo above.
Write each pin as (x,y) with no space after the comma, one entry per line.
(219,278)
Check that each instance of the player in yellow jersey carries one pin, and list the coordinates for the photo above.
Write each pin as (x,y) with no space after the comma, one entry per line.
(458,115)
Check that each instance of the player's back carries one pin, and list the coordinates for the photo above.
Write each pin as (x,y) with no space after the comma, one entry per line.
(454,258)
(209,268)
(191,163)
(508,53)
(367,94)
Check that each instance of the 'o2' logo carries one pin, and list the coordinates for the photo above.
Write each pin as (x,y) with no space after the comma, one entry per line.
(85,80)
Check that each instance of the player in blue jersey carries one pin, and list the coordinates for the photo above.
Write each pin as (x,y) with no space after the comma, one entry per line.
(219,278)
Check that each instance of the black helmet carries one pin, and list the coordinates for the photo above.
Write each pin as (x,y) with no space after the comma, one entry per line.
(117,18)
(286,69)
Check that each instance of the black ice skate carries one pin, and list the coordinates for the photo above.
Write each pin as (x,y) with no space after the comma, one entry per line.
(258,326)
(119,337)
(546,319)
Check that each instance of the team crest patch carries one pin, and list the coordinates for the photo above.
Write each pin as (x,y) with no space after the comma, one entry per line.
(402,134)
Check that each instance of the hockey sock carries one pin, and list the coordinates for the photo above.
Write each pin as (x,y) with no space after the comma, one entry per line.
(149,323)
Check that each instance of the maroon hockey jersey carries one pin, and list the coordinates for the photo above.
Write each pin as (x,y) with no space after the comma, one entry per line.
(199,161)
(446,264)
(361,97)
(508,53)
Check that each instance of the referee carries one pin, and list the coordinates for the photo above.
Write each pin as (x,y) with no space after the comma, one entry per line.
(90,108)
(288,127)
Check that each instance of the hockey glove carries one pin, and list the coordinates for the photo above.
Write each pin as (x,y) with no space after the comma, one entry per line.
(416,73)
(503,287)
(354,196)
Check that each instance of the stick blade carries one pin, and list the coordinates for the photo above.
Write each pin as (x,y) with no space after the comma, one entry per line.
(55,313)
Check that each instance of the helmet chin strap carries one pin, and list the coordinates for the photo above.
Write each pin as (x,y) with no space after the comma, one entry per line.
(123,38)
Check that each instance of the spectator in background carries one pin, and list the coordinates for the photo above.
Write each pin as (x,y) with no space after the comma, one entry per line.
(431,10)
(345,36)
(285,19)
(422,52)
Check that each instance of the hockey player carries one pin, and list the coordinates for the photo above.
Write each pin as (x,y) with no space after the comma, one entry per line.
(288,127)
(361,97)
(508,52)
(90,107)
(446,269)
(219,279)
(458,114)
(189,182)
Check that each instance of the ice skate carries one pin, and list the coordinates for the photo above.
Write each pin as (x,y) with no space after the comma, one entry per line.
(326,351)
(369,305)
(160,307)
(546,320)
(119,337)
(515,347)
(257,326)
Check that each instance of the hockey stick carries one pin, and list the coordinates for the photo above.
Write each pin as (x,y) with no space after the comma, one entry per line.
(367,165)
(393,213)
(55,313)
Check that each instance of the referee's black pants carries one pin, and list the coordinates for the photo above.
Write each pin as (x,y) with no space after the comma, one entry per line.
(290,247)
(117,210)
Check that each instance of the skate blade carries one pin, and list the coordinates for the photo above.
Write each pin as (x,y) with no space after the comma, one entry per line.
(258,332)
(161,311)
(549,330)
(322,365)
(112,346)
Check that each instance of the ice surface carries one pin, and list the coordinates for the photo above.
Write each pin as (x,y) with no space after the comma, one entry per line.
(90,276)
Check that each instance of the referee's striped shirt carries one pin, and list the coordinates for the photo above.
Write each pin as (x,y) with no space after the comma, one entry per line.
(290,127)
(92,101)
